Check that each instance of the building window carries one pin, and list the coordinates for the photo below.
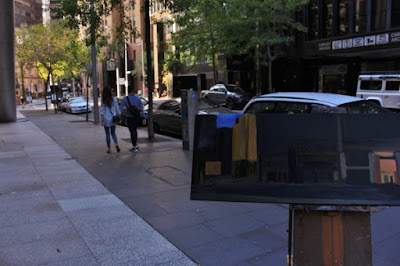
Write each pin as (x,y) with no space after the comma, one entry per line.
(328,18)
(378,15)
(360,16)
(395,13)
(313,20)
(344,17)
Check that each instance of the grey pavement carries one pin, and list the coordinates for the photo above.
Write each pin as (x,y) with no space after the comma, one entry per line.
(64,201)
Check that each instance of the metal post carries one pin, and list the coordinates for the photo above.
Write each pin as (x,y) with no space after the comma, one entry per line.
(143,73)
(126,68)
(94,71)
(118,85)
(8,112)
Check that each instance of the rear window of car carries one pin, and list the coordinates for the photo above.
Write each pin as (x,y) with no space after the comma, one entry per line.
(364,107)
(374,85)
(281,107)
(392,85)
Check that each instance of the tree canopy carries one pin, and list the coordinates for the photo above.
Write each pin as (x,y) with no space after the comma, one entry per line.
(250,28)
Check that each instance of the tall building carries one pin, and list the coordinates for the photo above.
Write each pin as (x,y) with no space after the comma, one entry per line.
(28,11)
(344,38)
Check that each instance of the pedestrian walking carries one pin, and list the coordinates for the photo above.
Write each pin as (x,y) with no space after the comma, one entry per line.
(132,106)
(22,102)
(109,109)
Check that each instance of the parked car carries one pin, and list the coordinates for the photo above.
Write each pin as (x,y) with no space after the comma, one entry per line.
(75,105)
(231,96)
(167,116)
(384,89)
(310,102)
(145,110)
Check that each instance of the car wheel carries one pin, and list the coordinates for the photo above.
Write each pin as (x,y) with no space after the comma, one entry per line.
(229,103)
(156,128)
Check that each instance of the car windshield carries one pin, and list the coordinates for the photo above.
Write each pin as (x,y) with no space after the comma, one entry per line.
(143,100)
(77,100)
(235,89)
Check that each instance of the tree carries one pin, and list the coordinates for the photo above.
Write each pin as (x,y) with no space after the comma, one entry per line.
(89,15)
(198,39)
(256,27)
(23,52)
(44,46)
(250,28)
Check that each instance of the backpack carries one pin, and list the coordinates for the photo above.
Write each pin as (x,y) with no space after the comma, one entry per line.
(132,109)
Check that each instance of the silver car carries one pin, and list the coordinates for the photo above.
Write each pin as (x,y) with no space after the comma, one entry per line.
(310,102)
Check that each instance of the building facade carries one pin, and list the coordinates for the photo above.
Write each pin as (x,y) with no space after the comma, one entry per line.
(344,38)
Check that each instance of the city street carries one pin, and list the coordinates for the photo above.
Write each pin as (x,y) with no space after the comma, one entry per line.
(155,183)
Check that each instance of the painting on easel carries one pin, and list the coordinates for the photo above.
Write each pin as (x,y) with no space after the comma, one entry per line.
(336,159)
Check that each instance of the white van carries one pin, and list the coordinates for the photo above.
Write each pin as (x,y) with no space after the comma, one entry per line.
(383,89)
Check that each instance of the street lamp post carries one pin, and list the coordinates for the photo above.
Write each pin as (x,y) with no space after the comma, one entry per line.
(126,68)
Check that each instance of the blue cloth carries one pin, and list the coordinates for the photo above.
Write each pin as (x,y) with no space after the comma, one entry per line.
(135,101)
(108,113)
(114,136)
(227,120)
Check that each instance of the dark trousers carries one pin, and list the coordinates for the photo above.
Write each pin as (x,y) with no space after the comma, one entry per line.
(132,125)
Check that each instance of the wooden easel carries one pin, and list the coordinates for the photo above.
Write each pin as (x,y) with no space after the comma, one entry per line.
(329,235)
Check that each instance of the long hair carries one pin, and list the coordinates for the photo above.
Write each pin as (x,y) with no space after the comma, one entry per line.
(107,98)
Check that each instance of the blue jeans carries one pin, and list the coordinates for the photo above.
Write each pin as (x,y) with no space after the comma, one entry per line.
(114,136)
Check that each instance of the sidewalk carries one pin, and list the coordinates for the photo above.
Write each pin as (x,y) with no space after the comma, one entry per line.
(53,212)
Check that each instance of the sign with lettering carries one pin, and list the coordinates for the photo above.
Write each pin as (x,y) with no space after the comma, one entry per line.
(362,41)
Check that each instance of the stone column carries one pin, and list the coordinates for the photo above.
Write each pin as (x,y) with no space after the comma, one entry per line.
(7,65)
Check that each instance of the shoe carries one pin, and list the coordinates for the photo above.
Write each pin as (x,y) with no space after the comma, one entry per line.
(135,148)
(108,151)
(118,149)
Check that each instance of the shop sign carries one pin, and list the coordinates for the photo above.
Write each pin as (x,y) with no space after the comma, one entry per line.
(395,37)
(369,40)
(382,38)
(347,43)
(324,46)
(360,41)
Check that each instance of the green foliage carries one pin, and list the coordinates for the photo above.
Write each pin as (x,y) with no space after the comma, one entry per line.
(172,62)
(235,27)
(78,13)
(200,27)
(52,48)
(252,24)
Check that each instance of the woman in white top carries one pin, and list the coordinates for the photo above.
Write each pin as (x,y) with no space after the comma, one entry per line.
(109,108)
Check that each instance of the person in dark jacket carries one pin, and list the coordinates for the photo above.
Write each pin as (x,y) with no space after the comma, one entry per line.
(133,119)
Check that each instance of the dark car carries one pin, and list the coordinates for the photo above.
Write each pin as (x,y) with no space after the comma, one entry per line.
(167,116)
(232,96)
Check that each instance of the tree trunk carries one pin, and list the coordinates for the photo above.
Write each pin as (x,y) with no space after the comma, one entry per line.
(215,70)
(258,74)
(269,69)
(22,81)
(94,70)
(46,85)
(150,74)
